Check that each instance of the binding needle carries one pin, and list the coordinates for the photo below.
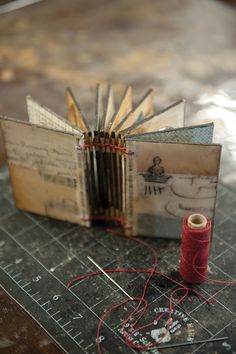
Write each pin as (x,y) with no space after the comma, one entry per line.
(108,276)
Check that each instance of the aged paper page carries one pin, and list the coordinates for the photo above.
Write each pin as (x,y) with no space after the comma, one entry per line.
(124,108)
(144,108)
(170,118)
(74,114)
(47,170)
(165,182)
(198,134)
(99,109)
(43,116)
(109,109)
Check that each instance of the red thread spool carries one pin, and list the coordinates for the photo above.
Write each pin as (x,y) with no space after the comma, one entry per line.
(195,246)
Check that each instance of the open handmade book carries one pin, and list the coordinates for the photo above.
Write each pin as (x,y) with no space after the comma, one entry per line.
(144,170)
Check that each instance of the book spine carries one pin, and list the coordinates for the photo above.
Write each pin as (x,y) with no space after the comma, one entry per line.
(130,193)
(82,184)
(106,179)
(119,177)
(100,174)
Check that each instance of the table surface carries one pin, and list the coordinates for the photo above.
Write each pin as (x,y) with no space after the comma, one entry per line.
(42,246)
(182,48)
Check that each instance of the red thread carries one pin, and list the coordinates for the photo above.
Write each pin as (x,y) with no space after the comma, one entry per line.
(120,148)
(142,303)
(139,311)
(194,252)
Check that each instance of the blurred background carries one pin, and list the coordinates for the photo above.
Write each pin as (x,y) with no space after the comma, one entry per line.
(181,48)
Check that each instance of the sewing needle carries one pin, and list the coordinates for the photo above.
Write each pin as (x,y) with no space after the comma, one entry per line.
(108,276)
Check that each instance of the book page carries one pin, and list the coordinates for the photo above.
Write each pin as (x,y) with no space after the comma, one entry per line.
(99,110)
(165,182)
(109,110)
(170,118)
(145,108)
(47,171)
(123,110)
(198,134)
(74,114)
(43,116)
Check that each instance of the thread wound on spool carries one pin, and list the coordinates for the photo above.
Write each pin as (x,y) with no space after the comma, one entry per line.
(195,246)
(197,221)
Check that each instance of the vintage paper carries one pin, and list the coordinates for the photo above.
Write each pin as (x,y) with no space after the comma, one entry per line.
(99,110)
(74,115)
(124,109)
(170,118)
(47,170)
(43,116)
(109,109)
(144,107)
(198,134)
(165,182)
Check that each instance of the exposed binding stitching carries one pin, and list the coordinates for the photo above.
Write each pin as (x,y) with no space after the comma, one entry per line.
(123,150)
(109,218)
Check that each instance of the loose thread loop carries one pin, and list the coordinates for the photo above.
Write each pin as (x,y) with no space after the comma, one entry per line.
(130,325)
